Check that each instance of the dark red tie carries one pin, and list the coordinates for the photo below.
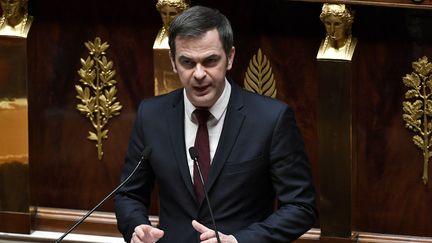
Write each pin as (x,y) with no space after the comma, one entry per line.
(203,148)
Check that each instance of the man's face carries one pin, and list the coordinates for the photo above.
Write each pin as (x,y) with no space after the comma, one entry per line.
(10,7)
(335,27)
(201,64)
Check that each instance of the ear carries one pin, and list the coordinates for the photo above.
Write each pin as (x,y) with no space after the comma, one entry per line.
(173,63)
(231,58)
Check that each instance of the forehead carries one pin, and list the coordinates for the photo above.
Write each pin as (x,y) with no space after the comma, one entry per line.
(209,42)
(333,19)
(169,9)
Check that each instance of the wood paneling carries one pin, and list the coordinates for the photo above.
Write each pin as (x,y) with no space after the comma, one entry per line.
(416,4)
(61,220)
(14,166)
(389,196)
(65,170)
(15,222)
(336,147)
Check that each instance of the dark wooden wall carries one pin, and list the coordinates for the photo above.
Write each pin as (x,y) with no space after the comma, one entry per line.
(65,171)
(389,196)
(389,193)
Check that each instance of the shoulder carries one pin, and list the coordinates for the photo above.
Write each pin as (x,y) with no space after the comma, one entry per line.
(260,104)
(161,103)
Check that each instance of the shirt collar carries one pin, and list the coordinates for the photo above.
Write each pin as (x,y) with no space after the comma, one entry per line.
(217,110)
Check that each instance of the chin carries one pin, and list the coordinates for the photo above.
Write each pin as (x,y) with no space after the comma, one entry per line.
(202,100)
(202,103)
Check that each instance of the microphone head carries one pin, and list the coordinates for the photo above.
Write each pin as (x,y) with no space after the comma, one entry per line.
(146,153)
(193,153)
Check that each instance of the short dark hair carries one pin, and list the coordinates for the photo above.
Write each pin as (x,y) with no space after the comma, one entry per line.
(196,21)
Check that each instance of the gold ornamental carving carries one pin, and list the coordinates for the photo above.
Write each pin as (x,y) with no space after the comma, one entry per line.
(98,91)
(338,43)
(165,79)
(168,10)
(417,108)
(259,76)
(15,20)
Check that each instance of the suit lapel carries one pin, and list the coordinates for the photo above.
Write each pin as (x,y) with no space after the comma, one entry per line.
(175,122)
(232,125)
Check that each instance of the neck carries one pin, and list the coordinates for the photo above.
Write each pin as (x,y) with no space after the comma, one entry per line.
(14,21)
(337,44)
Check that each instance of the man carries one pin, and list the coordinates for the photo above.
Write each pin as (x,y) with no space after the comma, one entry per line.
(255,149)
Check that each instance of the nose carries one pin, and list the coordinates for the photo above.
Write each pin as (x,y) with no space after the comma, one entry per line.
(332,29)
(167,19)
(199,72)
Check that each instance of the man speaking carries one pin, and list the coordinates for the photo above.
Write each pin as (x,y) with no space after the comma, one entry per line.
(249,149)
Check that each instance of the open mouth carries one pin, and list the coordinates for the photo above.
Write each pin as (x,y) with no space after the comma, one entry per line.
(201,89)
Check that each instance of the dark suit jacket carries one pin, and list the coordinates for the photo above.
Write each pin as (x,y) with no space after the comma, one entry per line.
(260,156)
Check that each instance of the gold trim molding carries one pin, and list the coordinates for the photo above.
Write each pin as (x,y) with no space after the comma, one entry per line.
(98,90)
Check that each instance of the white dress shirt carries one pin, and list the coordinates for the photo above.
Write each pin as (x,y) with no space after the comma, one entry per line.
(214,124)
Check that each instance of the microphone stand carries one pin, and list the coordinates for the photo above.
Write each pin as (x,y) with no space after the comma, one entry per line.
(144,156)
(194,155)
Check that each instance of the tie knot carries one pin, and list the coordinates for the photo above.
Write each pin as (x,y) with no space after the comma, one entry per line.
(202,116)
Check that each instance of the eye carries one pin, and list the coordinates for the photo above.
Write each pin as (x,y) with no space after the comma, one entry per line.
(186,62)
(211,61)
(172,14)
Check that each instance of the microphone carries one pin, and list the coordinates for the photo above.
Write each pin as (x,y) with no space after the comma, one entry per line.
(144,156)
(194,155)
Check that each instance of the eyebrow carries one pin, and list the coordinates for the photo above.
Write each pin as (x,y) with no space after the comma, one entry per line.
(213,56)
(216,56)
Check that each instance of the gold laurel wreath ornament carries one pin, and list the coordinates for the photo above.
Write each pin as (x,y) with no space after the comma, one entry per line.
(97,95)
(418,108)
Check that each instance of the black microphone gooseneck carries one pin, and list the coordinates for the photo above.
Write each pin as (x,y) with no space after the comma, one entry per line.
(144,156)
(194,155)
